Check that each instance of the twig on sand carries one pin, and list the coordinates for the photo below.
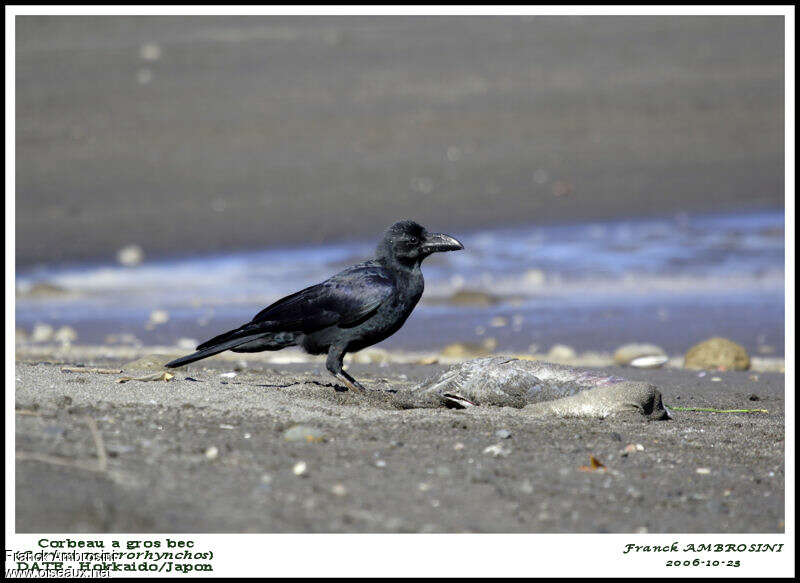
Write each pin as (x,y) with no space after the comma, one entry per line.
(27,412)
(57,460)
(712,410)
(91,369)
(102,458)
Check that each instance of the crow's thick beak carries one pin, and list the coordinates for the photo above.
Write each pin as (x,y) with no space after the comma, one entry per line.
(440,242)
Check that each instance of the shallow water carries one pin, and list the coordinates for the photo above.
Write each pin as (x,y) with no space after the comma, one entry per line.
(672,281)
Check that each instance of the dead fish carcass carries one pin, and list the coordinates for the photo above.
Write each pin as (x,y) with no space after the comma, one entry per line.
(539,388)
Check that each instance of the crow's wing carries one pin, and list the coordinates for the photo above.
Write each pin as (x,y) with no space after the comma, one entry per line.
(346,299)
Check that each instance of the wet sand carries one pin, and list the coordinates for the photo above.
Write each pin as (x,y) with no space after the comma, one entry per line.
(210,455)
(194,135)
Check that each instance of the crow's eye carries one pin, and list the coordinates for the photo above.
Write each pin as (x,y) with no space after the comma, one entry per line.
(413,240)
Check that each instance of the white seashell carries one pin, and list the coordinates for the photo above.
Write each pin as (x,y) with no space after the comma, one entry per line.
(653,361)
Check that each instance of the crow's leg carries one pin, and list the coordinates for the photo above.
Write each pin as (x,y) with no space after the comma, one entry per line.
(334,366)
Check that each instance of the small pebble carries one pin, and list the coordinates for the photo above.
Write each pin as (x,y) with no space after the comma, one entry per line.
(535,277)
(150,52)
(634,493)
(304,433)
(130,255)
(380,464)
(502,434)
(42,333)
(561,352)
(212,453)
(458,446)
(159,317)
(339,489)
(497,450)
(65,335)
(228,375)
(299,468)
(703,471)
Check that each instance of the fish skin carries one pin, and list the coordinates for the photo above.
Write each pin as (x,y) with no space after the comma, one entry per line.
(539,388)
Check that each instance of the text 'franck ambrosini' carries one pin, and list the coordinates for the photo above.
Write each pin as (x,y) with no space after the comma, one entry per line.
(707,548)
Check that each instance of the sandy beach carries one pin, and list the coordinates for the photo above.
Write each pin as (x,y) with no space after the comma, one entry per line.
(210,452)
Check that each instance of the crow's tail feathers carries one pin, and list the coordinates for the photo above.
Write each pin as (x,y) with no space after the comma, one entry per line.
(235,334)
(206,350)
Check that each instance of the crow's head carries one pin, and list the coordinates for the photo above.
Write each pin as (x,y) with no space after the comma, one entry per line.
(409,242)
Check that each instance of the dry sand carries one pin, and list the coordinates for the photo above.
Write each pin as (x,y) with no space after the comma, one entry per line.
(208,453)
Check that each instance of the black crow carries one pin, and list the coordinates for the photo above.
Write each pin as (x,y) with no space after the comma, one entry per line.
(356,308)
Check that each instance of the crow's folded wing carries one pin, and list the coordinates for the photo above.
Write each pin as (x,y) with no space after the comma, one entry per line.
(345,300)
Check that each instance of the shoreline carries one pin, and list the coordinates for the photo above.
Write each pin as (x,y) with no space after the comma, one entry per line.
(99,354)
(81,257)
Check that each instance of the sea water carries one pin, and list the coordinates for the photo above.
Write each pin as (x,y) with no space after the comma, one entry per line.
(673,281)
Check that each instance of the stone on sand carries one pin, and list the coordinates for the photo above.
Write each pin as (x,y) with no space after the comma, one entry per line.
(130,256)
(20,335)
(44,289)
(561,352)
(371,356)
(305,433)
(42,333)
(65,335)
(717,353)
(470,349)
(467,297)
